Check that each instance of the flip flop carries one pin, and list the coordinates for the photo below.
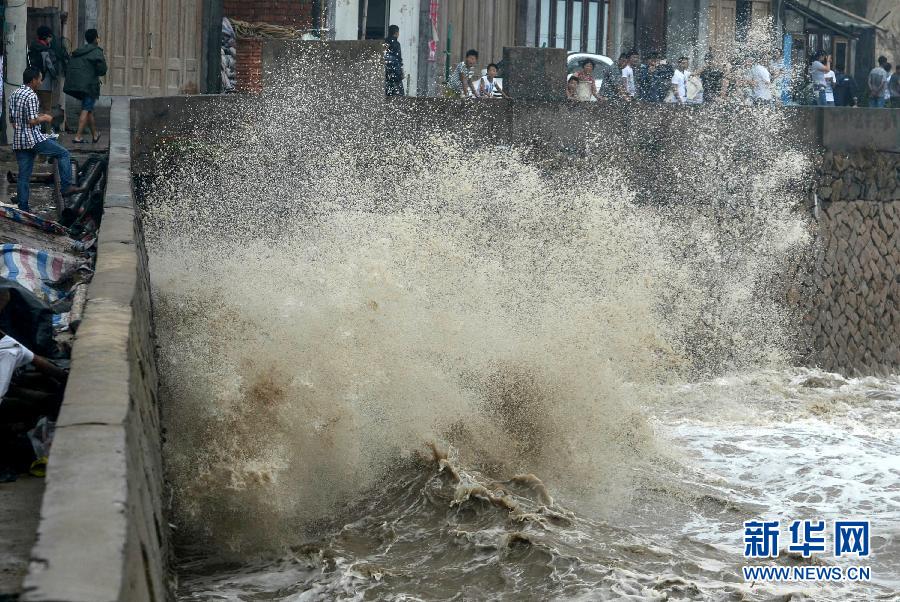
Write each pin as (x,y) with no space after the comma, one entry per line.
(74,141)
(97,139)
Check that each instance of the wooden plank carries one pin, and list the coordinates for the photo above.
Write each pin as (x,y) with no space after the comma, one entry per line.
(20,234)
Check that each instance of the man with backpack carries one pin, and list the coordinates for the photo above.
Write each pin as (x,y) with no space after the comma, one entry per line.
(43,59)
(86,68)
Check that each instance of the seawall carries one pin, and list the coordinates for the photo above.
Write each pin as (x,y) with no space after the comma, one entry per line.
(102,535)
(851,302)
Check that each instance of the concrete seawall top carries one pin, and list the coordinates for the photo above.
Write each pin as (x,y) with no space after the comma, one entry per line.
(102,537)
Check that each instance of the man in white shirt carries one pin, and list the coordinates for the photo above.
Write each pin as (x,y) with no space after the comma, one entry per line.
(14,355)
(762,84)
(679,81)
(820,65)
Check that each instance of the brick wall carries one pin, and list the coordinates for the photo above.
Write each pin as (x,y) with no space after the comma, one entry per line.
(249,65)
(287,13)
(295,14)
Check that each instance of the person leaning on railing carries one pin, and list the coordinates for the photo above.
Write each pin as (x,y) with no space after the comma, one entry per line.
(460,84)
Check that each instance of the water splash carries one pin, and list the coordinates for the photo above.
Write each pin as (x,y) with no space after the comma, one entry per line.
(332,296)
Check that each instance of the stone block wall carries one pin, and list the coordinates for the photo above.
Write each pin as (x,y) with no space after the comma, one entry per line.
(853,321)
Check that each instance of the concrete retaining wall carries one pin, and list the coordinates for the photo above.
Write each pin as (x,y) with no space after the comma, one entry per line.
(102,535)
(561,126)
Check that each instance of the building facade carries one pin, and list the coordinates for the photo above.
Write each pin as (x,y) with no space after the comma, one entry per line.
(434,34)
(163,47)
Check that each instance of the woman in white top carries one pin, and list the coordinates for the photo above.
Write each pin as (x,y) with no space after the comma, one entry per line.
(830,78)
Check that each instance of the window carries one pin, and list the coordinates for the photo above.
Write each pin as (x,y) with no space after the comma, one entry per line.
(373,19)
(841,49)
(559,40)
(576,25)
(575,38)
(543,40)
(593,33)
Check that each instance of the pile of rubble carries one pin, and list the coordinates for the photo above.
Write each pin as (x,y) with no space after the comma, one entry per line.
(47,261)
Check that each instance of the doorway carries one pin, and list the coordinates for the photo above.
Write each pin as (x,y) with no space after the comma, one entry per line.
(373,17)
(152,46)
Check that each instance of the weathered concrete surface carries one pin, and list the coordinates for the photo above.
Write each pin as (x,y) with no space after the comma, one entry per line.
(535,73)
(102,536)
(848,128)
(636,133)
(19,502)
(323,65)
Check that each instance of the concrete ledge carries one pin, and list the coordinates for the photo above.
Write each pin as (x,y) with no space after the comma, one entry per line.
(102,536)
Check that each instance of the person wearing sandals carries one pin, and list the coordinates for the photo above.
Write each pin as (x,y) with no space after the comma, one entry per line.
(86,68)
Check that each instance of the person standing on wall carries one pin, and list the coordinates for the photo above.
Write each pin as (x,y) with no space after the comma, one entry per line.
(653,80)
(28,140)
(844,90)
(679,81)
(894,86)
(42,58)
(818,67)
(713,79)
(393,63)
(587,84)
(629,87)
(86,68)
(878,81)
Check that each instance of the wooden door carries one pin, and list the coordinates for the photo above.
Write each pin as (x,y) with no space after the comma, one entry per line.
(152,46)
(114,16)
(760,13)
(722,25)
(183,46)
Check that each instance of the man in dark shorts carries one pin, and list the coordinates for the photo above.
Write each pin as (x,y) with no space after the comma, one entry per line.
(83,82)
